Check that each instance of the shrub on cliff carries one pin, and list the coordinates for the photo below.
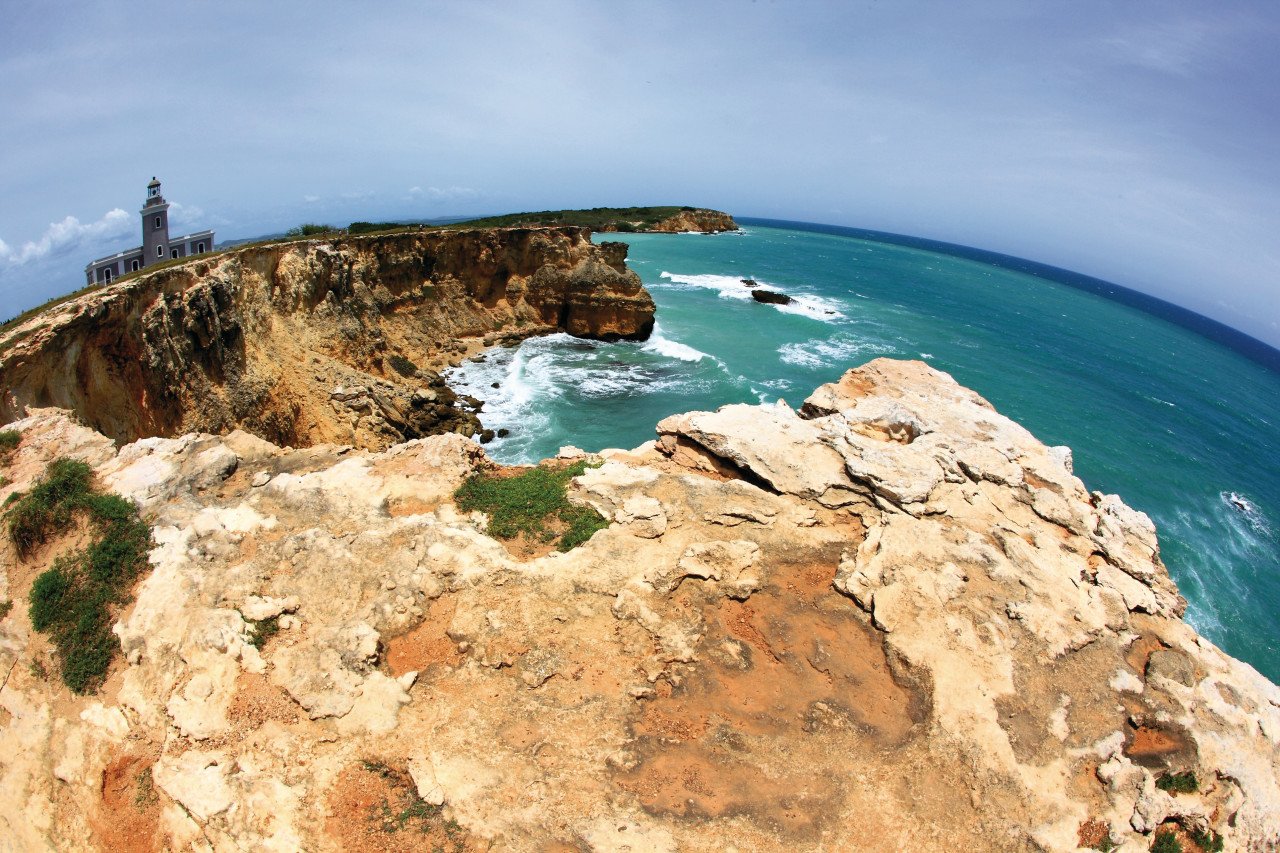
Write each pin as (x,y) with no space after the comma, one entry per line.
(402,365)
(534,504)
(309,229)
(73,601)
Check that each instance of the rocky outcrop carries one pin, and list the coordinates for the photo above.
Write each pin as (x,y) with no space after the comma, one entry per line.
(889,620)
(686,220)
(315,341)
(704,221)
(770,297)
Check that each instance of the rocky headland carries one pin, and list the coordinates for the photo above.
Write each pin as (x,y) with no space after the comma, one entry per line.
(700,220)
(306,342)
(890,619)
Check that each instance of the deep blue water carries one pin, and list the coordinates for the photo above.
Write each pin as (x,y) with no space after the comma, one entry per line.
(1176,423)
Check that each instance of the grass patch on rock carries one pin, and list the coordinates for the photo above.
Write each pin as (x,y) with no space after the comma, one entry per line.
(73,601)
(263,630)
(534,504)
(1166,841)
(1178,783)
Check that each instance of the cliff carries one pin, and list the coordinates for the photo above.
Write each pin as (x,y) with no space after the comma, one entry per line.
(316,341)
(705,221)
(668,218)
(890,620)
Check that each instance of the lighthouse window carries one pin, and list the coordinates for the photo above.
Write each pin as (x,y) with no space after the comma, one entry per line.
(159,251)
(135,265)
(157,221)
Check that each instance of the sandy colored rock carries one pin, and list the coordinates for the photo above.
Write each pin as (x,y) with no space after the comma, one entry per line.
(892,620)
(321,341)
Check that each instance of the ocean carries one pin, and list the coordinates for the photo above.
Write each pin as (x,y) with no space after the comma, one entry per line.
(1179,424)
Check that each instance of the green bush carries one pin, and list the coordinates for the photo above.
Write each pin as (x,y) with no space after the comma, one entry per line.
(371,227)
(49,505)
(533,504)
(263,630)
(1166,842)
(1178,783)
(9,440)
(309,229)
(1208,841)
(403,366)
(72,601)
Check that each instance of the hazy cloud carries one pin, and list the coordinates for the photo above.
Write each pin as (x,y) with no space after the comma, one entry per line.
(444,193)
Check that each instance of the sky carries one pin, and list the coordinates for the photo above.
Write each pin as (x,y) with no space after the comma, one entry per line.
(1138,142)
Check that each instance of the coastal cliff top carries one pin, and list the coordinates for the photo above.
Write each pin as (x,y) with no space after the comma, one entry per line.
(892,614)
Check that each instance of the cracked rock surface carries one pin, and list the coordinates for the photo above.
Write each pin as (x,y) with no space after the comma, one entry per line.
(890,620)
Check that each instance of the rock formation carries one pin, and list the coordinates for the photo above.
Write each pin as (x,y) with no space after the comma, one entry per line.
(315,341)
(699,220)
(770,297)
(891,620)
(705,221)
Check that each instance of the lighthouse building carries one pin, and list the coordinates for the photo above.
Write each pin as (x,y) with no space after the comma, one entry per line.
(156,246)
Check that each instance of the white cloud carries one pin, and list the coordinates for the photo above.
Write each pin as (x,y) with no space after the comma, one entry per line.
(1171,47)
(444,193)
(311,199)
(68,234)
(184,215)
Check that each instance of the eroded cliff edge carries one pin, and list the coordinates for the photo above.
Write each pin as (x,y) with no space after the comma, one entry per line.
(890,620)
(315,341)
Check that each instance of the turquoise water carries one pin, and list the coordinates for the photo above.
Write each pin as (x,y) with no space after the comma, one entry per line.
(1174,423)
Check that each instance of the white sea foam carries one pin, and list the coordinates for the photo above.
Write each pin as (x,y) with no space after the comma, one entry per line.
(729,287)
(816,307)
(733,287)
(1247,510)
(838,350)
(662,345)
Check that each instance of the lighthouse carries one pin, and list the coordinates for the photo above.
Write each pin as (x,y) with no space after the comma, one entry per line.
(155,225)
(156,244)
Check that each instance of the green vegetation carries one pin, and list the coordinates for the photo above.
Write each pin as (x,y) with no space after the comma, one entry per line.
(72,601)
(5,608)
(374,227)
(144,790)
(310,229)
(403,366)
(9,441)
(534,503)
(409,811)
(596,217)
(1208,840)
(63,490)
(263,630)
(1166,842)
(1178,783)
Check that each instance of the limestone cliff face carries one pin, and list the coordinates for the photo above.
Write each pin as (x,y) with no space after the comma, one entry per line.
(891,620)
(704,221)
(299,342)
